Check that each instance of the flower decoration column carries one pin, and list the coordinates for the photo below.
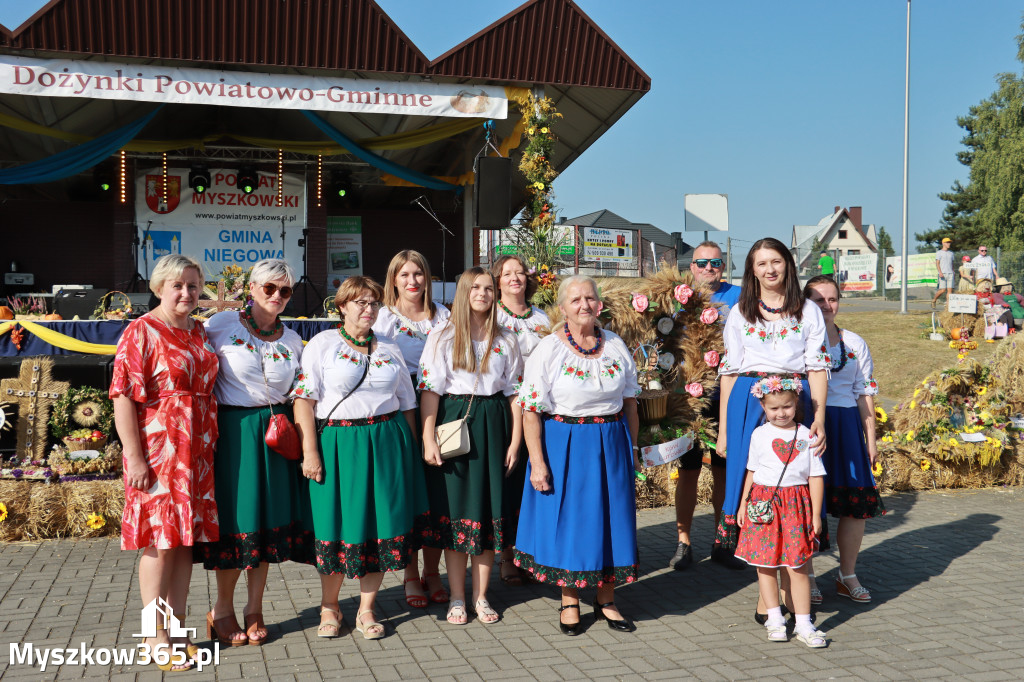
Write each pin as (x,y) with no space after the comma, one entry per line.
(536,166)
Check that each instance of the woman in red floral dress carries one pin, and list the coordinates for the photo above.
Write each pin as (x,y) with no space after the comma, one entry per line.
(166,418)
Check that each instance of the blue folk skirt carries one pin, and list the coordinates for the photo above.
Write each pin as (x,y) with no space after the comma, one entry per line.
(849,486)
(582,533)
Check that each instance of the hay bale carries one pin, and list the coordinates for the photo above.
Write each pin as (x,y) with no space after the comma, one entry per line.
(15,495)
(48,516)
(105,498)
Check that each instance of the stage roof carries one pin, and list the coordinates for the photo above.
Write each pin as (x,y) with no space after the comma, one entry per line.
(546,43)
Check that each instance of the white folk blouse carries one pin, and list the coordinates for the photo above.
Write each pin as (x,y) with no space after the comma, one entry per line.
(769,444)
(245,356)
(558,381)
(504,370)
(331,369)
(856,378)
(778,346)
(410,336)
(527,330)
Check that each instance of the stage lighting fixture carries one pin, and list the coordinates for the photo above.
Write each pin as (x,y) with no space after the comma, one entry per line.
(104,176)
(341,184)
(199,178)
(248,180)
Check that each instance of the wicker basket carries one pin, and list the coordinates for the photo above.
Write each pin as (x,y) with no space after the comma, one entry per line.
(653,406)
(122,306)
(76,445)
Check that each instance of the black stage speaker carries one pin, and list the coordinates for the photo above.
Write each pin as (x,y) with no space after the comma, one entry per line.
(82,302)
(142,303)
(492,196)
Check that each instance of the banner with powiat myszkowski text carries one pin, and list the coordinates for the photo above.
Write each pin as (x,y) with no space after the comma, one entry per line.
(222,226)
(857,272)
(147,83)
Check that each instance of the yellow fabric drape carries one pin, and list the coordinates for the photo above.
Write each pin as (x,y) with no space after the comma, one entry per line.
(59,340)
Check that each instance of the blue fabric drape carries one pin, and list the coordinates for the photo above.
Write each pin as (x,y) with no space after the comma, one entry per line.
(377,161)
(77,159)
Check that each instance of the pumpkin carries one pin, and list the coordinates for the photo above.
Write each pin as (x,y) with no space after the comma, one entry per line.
(6,313)
(960,333)
(52,316)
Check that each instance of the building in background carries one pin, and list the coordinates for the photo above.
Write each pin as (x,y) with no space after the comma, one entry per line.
(841,233)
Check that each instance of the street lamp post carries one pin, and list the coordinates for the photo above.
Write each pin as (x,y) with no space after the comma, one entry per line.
(906,141)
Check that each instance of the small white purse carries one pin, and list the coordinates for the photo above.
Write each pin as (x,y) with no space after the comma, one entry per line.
(453,437)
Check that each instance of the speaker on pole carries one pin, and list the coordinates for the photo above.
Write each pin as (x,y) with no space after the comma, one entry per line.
(492,196)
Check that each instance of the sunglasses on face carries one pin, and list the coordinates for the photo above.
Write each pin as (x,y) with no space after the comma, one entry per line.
(982,250)
(702,263)
(270,288)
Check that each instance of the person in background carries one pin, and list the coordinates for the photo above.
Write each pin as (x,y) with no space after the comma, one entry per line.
(984,266)
(966,284)
(259,492)
(706,268)
(166,417)
(827,264)
(408,315)
(578,522)
(527,322)
(944,266)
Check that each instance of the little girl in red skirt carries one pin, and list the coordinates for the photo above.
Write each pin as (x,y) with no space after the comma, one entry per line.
(782,471)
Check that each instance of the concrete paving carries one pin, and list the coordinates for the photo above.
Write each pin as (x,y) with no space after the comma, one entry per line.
(943,568)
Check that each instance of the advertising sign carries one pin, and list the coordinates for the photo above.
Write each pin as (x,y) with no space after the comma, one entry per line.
(857,272)
(179,85)
(706,212)
(602,244)
(222,226)
(921,266)
(344,249)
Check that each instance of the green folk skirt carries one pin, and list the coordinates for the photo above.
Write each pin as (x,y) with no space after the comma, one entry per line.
(469,511)
(260,496)
(370,512)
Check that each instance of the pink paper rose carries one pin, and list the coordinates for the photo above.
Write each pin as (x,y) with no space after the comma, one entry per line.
(711,357)
(695,389)
(640,303)
(709,315)
(683,293)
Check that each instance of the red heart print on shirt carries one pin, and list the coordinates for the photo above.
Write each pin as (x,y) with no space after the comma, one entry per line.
(783,451)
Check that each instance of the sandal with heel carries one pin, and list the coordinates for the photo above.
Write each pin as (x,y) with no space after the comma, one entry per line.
(253,624)
(438,596)
(858,594)
(329,630)
(371,630)
(416,601)
(168,667)
(223,630)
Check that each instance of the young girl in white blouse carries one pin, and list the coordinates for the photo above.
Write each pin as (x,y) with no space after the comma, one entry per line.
(527,322)
(471,366)
(782,472)
(850,491)
(772,330)
(406,318)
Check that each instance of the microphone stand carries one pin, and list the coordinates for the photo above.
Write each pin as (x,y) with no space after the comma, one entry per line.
(424,203)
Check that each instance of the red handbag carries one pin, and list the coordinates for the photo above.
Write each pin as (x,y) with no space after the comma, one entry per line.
(283,438)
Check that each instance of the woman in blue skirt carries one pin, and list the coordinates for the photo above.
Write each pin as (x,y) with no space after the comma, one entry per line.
(850,491)
(772,330)
(577,527)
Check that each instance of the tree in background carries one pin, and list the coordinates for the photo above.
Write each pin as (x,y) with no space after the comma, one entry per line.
(990,208)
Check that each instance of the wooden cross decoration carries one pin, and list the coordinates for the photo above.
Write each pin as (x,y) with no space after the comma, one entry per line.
(221,303)
(34,392)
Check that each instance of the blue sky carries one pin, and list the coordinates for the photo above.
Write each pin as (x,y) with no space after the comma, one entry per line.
(790,108)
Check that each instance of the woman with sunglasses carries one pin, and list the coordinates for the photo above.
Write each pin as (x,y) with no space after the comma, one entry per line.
(406,318)
(257,490)
(367,492)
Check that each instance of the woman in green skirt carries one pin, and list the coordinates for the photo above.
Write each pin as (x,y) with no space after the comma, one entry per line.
(367,492)
(259,493)
(471,368)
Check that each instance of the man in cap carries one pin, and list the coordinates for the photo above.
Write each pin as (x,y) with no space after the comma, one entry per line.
(944,264)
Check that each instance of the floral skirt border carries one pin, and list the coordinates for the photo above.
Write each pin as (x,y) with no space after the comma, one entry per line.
(728,533)
(858,503)
(373,556)
(615,575)
(248,550)
(466,536)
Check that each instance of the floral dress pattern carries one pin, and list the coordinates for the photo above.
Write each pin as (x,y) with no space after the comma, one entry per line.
(169,374)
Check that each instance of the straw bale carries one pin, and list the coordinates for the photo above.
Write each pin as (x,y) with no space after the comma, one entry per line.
(105,498)
(47,511)
(15,495)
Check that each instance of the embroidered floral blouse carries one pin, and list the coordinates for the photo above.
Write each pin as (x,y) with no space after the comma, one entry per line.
(779,346)
(331,369)
(856,378)
(240,381)
(527,330)
(558,381)
(410,336)
(504,370)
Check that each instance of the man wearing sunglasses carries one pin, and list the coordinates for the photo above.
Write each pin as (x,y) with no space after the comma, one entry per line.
(706,267)
(984,266)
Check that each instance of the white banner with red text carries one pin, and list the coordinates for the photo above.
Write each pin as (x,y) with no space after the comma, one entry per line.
(167,84)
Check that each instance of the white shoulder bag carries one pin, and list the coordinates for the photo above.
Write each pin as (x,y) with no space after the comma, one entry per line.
(453,437)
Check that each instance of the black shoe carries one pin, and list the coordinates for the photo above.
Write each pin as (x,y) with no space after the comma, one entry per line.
(762,618)
(683,557)
(727,558)
(621,625)
(572,629)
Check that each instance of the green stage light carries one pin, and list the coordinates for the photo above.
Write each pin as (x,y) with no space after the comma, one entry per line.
(247,181)
(199,178)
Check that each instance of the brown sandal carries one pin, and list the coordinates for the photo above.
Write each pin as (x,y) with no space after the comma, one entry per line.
(222,629)
(254,622)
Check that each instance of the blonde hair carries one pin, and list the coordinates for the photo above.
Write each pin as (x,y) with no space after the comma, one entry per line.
(391,289)
(172,266)
(563,287)
(459,324)
(269,269)
(352,287)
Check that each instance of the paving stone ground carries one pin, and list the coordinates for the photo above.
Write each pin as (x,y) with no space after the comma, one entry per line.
(944,567)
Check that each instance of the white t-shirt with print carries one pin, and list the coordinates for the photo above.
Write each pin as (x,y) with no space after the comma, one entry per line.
(769,450)
(241,373)
(777,346)
(504,369)
(410,336)
(558,381)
